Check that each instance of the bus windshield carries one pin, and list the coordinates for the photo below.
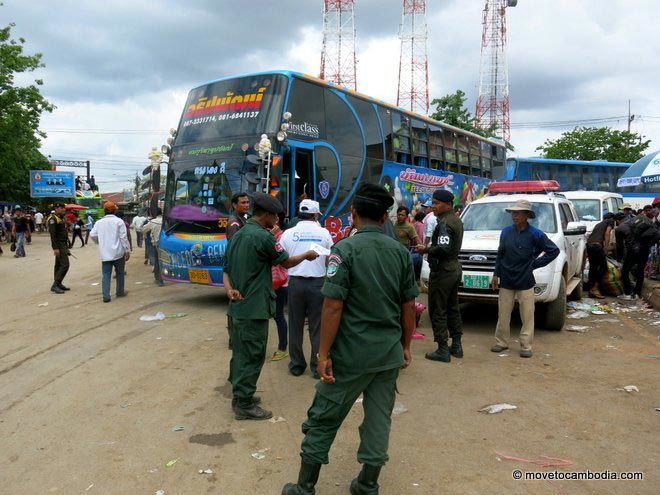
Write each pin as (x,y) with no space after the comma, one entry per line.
(493,216)
(199,194)
(587,209)
(247,106)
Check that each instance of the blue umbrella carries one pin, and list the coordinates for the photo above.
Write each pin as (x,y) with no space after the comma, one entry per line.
(646,170)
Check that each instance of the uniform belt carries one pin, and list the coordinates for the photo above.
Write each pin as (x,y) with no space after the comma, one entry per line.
(306,278)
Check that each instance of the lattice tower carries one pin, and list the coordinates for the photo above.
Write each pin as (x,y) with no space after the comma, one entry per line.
(413,89)
(338,62)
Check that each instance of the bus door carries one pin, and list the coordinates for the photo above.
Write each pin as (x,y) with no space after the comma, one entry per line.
(298,180)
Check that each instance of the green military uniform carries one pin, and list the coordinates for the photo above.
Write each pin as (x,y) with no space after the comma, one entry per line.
(445,277)
(372,273)
(249,258)
(59,239)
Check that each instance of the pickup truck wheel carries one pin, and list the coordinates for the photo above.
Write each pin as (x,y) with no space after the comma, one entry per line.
(553,314)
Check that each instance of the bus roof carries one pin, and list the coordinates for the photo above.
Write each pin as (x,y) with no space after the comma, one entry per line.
(309,77)
(582,163)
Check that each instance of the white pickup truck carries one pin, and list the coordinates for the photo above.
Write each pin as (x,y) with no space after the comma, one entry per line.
(484,220)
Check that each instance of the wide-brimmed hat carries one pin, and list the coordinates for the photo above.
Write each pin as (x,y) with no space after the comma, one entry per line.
(625,206)
(522,205)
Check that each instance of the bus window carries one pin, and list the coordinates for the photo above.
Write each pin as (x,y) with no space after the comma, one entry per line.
(341,127)
(386,122)
(367,115)
(401,138)
(374,170)
(420,143)
(587,178)
(574,179)
(306,105)
(303,181)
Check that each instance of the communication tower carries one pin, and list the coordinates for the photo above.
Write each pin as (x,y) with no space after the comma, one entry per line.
(413,90)
(338,63)
(493,99)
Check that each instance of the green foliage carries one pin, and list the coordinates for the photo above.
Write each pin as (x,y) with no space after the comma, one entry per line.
(596,143)
(451,110)
(20,112)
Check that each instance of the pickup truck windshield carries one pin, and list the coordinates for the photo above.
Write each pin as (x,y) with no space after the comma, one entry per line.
(587,209)
(493,216)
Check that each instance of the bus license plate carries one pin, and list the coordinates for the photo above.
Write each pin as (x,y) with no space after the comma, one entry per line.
(476,281)
(199,276)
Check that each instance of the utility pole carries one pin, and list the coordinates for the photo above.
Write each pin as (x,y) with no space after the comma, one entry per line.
(630,117)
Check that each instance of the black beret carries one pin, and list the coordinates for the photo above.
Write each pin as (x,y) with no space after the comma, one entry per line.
(608,216)
(443,196)
(374,193)
(267,203)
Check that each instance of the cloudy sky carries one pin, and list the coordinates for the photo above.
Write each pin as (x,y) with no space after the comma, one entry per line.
(119,70)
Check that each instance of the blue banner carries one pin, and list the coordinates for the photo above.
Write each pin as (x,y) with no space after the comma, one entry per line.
(411,186)
(52,184)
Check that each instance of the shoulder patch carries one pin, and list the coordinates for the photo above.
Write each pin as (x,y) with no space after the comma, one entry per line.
(334,260)
(52,222)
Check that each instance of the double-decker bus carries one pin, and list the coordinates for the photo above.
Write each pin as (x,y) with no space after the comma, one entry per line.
(325,141)
(576,175)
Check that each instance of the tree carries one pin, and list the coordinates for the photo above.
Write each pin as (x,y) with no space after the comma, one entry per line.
(596,143)
(451,110)
(20,112)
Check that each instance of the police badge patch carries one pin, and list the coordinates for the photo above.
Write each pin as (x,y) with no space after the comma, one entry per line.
(334,260)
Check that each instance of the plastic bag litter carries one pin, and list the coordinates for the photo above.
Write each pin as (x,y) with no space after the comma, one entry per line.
(160,492)
(577,328)
(259,454)
(497,408)
(177,428)
(578,305)
(629,388)
(578,314)
(399,408)
(277,419)
(42,305)
(161,316)
(205,471)
(171,463)
(598,312)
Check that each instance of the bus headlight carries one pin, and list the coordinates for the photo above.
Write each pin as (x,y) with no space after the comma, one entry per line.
(165,149)
(281,136)
(285,126)
(170,140)
(173,132)
(287,115)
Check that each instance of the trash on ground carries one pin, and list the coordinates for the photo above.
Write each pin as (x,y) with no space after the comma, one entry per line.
(657,409)
(652,356)
(205,471)
(611,347)
(399,408)
(42,305)
(260,454)
(160,492)
(171,463)
(161,316)
(503,355)
(124,406)
(629,388)
(89,487)
(277,419)
(578,314)
(96,283)
(138,283)
(157,317)
(544,461)
(598,312)
(577,328)
(359,400)
(497,408)
(177,428)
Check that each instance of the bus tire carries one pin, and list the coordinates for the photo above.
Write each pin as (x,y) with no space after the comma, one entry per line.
(553,314)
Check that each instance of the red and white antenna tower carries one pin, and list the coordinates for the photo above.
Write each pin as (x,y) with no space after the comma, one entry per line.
(338,63)
(493,100)
(413,92)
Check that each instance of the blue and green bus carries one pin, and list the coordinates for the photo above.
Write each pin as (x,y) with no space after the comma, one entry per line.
(324,141)
(578,175)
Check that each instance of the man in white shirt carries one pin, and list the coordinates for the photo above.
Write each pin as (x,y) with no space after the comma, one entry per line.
(430,223)
(153,228)
(305,283)
(110,234)
(38,221)
(138,222)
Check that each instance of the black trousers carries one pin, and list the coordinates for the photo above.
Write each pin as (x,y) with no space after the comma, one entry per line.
(305,300)
(443,304)
(597,266)
(635,259)
(61,265)
(77,233)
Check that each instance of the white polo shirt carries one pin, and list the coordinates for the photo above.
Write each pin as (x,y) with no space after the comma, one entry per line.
(430,222)
(299,239)
(110,234)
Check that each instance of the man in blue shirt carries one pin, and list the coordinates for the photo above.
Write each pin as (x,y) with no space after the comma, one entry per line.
(517,257)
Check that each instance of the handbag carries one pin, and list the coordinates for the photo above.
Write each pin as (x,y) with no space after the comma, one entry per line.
(280,276)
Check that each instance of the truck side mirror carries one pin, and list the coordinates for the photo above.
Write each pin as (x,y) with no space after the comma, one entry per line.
(575,228)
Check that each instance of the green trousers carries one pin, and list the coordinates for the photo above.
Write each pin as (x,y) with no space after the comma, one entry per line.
(443,304)
(334,401)
(249,339)
(61,265)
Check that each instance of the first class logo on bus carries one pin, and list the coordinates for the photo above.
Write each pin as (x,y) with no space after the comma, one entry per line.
(229,103)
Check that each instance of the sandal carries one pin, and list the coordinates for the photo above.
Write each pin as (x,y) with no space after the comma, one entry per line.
(596,295)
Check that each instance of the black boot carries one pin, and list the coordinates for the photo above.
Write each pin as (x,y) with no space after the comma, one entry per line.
(234,401)
(56,289)
(440,354)
(307,478)
(456,349)
(249,409)
(367,481)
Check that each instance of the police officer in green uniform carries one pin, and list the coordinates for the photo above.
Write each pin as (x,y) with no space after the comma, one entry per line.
(59,240)
(445,278)
(366,327)
(248,280)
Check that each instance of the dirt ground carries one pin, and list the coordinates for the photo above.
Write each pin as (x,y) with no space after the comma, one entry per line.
(89,395)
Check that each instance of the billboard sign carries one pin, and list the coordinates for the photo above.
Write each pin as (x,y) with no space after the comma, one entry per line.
(52,184)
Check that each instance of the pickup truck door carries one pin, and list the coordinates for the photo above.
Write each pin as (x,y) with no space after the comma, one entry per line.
(574,243)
